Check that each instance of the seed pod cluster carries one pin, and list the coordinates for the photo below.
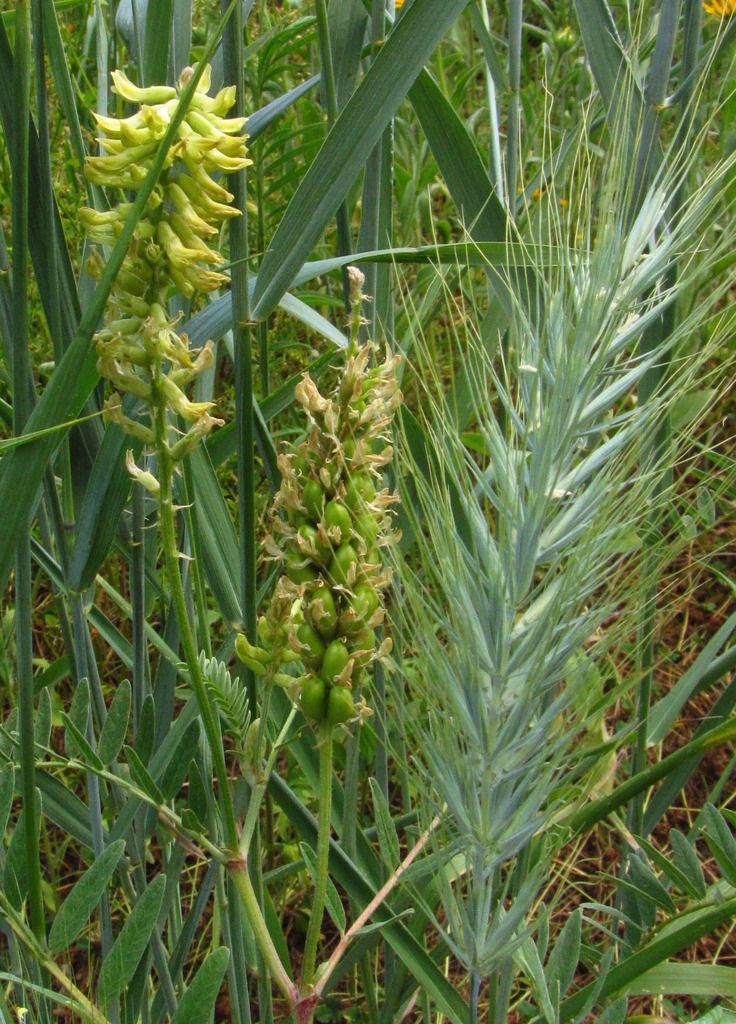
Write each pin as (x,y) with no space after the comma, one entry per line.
(139,348)
(330,522)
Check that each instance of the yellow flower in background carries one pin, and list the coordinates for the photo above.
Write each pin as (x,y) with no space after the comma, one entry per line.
(720,8)
(399,4)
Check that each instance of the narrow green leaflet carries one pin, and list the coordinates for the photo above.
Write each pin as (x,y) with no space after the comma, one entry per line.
(387,838)
(84,897)
(176,770)
(563,960)
(197,1003)
(332,900)
(115,728)
(142,777)
(132,942)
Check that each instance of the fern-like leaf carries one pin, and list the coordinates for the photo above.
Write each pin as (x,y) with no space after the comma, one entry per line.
(229,696)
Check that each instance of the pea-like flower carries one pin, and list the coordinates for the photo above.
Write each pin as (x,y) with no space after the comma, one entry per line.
(172,248)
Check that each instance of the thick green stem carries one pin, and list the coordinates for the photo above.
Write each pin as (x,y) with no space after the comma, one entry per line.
(167,524)
(323,854)
(242,882)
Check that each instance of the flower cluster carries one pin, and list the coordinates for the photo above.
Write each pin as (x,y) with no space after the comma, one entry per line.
(139,348)
(720,8)
(330,522)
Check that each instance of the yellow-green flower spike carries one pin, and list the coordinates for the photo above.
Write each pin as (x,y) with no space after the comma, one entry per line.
(172,248)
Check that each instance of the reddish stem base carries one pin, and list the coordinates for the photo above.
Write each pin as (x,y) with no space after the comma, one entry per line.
(304,1009)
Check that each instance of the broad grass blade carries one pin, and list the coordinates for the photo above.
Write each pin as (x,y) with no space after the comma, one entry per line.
(346,148)
(678,937)
(218,543)
(157,40)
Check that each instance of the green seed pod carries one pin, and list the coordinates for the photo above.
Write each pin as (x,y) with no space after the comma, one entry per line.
(359,491)
(311,544)
(343,566)
(360,608)
(361,648)
(329,474)
(298,569)
(334,661)
(340,705)
(348,448)
(312,498)
(339,519)
(367,526)
(300,465)
(322,612)
(314,698)
(312,644)
(372,556)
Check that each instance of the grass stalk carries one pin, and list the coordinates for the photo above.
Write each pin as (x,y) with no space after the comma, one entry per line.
(22,404)
(314,929)
(138,603)
(329,92)
(167,524)
(246,460)
(516,20)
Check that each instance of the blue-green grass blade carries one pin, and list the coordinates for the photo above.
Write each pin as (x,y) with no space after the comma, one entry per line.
(260,119)
(664,713)
(218,543)
(44,222)
(459,162)
(181,37)
(348,22)
(107,491)
(609,64)
(349,143)
(157,40)
(215,319)
(62,80)
(690,929)
(17,442)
